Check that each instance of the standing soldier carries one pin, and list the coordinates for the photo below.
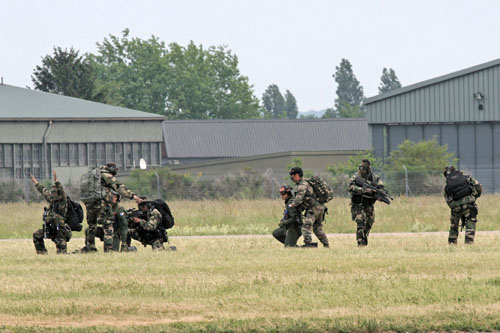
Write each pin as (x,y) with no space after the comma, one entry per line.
(289,227)
(314,212)
(55,226)
(114,222)
(460,193)
(363,200)
(95,188)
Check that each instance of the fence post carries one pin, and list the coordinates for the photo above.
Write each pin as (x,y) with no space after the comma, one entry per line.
(407,188)
(158,185)
(26,190)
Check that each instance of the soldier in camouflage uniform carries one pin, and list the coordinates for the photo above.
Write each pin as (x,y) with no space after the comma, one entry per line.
(55,226)
(114,223)
(314,212)
(362,201)
(461,197)
(289,227)
(96,209)
(149,229)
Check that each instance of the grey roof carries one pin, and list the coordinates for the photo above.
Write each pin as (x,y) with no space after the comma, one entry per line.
(432,81)
(236,138)
(25,104)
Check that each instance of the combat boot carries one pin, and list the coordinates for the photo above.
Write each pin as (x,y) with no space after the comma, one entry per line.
(42,252)
(326,245)
(310,245)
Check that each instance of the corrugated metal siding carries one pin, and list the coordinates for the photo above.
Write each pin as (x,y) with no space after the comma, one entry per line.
(74,132)
(185,139)
(446,101)
(477,145)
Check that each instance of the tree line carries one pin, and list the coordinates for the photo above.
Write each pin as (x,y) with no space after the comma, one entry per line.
(182,82)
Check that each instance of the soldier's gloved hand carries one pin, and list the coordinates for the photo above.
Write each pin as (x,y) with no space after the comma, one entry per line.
(281,224)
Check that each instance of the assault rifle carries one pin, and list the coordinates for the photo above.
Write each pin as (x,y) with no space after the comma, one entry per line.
(133,212)
(379,193)
(45,226)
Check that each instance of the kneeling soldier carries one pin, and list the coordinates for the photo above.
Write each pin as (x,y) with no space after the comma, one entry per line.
(289,227)
(55,226)
(148,228)
(460,193)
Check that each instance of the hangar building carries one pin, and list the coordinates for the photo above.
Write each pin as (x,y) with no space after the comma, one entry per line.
(214,148)
(41,132)
(461,109)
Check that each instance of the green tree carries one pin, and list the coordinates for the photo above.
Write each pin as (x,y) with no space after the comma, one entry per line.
(134,71)
(349,92)
(207,84)
(291,107)
(425,155)
(179,82)
(330,113)
(274,103)
(351,166)
(388,81)
(65,72)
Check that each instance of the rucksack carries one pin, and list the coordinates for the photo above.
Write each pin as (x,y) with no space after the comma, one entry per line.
(457,185)
(323,191)
(167,218)
(91,188)
(75,215)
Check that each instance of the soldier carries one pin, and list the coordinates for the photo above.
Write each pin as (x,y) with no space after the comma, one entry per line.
(363,201)
(314,212)
(114,222)
(55,226)
(148,228)
(460,193)
(289,227)
(96,208)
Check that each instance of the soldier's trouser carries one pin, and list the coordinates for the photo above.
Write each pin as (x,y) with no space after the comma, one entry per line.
(108,230)
(288,236)
(61,239)
(157,245)
(313,222)
(467,212)
(94,211)
(121,234)
(364,216)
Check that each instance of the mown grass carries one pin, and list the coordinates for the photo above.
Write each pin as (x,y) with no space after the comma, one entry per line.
(230,217)
(398,283)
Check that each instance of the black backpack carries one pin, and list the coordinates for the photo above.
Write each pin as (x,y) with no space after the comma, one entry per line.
(457,185)
(75,215)
(167,218)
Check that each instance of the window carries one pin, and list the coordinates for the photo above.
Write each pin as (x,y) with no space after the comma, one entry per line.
(92,154)
(73,154)
(54,149)
(64,147)
(101,154)
(82,154)
(7,150)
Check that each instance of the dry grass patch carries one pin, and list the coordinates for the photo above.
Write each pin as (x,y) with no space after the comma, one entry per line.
(397,283)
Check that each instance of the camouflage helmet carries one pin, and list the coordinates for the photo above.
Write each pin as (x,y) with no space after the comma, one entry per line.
(296,171)
(448,169)
(112,168)
(144,201)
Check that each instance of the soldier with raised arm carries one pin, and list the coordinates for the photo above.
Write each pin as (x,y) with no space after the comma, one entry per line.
(55,226)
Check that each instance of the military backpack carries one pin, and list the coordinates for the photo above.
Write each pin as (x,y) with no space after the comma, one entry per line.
(75,215)
(322,190)
(167,219)
(91,188)
(457,185)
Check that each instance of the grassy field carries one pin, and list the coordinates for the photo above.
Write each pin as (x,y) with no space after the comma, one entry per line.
(398,283)
(232,217)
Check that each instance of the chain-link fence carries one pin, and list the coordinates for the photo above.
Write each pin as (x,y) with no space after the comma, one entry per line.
(246,184)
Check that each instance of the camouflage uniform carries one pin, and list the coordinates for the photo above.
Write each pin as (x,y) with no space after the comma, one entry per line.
(464,209)
(289,227)
(362,206)
(96,209)
(149,231)
(314,213)
(58,231)
(114,216)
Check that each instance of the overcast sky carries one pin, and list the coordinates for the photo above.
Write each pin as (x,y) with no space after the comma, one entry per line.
(295,44)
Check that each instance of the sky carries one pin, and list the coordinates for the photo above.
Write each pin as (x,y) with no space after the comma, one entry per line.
(295,44)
